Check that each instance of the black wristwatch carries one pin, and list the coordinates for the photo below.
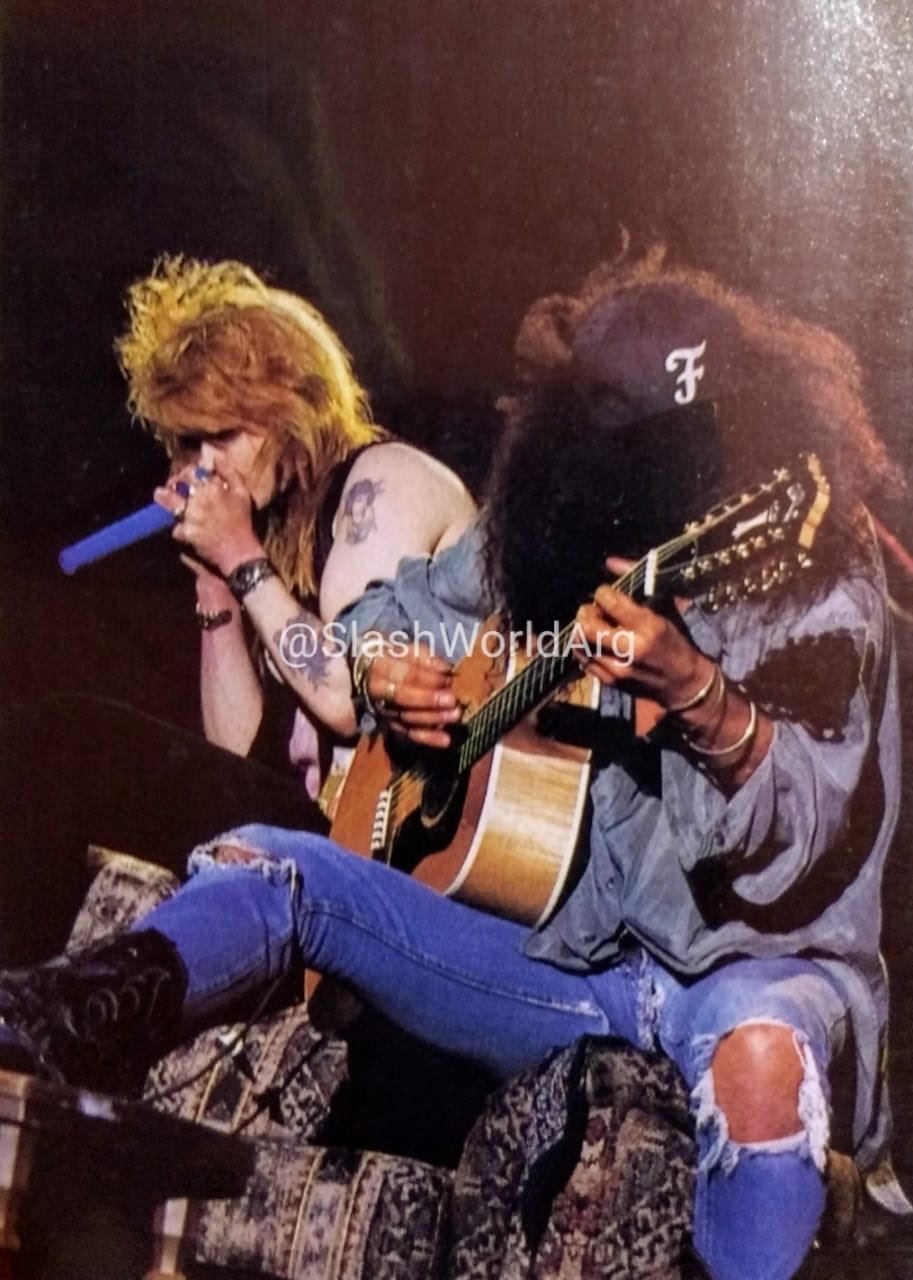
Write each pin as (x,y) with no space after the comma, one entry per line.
(247,575)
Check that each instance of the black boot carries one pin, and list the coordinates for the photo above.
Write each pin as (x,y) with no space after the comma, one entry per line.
(97,1019)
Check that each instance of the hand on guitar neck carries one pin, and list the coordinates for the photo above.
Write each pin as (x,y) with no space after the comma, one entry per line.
(672,677)
(414,695)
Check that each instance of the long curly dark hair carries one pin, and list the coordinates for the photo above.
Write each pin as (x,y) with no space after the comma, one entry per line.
(574,481)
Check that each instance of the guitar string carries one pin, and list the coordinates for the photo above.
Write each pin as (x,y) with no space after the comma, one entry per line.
(488,721)
(487,724)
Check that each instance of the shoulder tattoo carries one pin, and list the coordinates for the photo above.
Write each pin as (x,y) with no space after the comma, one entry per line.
(359,519)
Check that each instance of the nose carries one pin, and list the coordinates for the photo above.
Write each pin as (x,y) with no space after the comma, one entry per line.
(207,455)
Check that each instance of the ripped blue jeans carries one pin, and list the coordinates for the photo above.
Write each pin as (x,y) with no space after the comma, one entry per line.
(460,980)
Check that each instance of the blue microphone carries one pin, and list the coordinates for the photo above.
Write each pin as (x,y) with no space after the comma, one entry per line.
(123,533)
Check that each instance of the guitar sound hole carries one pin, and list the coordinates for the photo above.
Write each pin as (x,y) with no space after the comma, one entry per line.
(438,796)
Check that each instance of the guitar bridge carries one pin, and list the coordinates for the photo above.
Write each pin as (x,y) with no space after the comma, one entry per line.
(381,826)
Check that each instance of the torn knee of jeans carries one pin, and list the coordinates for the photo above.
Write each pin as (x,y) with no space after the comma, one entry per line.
(232,851)
(716,1145)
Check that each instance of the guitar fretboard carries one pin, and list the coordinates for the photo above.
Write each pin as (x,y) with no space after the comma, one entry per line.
(664,566)
(544,674)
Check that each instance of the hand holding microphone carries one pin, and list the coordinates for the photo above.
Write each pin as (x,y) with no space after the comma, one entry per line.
(219,522)
(212,514)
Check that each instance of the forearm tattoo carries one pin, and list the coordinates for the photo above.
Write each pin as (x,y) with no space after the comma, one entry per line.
(359,518)
(303,646)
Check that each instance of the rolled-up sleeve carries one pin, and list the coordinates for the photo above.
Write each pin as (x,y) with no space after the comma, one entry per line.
(798,803)
(436,600)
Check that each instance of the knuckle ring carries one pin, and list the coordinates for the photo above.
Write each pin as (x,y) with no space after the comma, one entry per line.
(202,474)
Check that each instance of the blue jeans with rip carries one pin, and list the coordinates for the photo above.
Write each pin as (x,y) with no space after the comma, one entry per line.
(458,979)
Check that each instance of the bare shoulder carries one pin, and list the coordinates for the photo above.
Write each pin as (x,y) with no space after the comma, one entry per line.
(395,474)
(396,461)
(397,501)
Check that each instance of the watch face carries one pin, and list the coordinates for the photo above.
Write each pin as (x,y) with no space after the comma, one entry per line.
(245,577)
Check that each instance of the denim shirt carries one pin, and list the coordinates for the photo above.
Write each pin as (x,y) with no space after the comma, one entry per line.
(792,862)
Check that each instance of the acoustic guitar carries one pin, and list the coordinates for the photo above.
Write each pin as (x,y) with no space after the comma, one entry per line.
(495,819)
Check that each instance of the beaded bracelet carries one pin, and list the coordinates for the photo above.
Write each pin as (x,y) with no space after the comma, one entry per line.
(211,619)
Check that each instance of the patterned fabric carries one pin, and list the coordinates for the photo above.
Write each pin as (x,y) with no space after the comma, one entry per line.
(295,1071)
(124,889)
(312,1213)
(582,1168)
(283,1081)
(626,1210)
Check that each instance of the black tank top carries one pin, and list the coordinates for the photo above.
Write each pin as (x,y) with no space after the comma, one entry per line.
(270,744)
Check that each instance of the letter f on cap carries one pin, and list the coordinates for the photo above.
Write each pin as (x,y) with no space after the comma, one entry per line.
(686,359)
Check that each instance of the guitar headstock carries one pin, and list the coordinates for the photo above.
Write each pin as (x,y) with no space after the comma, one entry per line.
(748,545)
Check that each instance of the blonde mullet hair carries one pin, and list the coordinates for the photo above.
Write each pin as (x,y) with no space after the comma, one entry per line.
(216,337)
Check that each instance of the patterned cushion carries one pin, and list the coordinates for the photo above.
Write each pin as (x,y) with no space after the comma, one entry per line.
(295,1070)
(124,889)
(312,1213)
(580,1168)
(283,1083)
(626,1210)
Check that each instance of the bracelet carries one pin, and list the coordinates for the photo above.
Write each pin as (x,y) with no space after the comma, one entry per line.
(361,668)
(211,619)
(248,575)
(744,740)
(702,694)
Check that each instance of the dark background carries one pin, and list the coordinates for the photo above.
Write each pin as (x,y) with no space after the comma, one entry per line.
(422,170)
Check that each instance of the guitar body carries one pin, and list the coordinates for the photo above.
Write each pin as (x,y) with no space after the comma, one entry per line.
(506,840)
(495,821)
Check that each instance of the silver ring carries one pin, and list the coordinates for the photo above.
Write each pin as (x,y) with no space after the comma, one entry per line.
(202,474)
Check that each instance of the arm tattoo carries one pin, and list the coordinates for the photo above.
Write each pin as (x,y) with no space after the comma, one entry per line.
(359,518)
(301,644)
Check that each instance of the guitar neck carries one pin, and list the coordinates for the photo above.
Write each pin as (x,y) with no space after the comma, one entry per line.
(520,695)
(755,525)
(541,677)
